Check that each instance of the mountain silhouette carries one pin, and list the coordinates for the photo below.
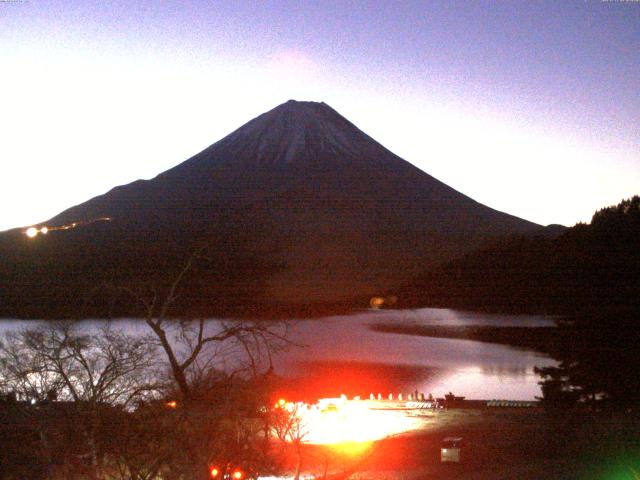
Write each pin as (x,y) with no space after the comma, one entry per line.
(298,207)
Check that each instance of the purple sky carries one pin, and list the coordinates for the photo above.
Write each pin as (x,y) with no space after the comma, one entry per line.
(529,107)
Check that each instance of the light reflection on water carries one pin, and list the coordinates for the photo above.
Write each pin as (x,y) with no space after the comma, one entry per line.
(473,369)
(464,367)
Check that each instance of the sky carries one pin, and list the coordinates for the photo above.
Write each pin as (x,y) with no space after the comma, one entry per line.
(530,107)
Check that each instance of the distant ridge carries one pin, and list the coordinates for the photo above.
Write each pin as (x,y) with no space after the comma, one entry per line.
(588,270)
(298,206)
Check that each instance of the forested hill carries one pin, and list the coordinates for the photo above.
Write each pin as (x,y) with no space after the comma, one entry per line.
(586,268)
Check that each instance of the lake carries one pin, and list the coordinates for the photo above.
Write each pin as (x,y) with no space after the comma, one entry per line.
(341,354)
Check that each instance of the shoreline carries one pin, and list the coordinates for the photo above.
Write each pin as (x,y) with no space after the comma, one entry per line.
(539,339)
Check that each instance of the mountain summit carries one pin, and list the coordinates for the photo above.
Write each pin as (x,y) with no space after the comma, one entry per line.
(298,200)
(294,130)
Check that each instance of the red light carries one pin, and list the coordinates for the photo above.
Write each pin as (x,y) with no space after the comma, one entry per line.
(214,472)
(237,475)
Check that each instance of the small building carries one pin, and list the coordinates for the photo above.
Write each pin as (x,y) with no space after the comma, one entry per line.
(450,449)
(452,401)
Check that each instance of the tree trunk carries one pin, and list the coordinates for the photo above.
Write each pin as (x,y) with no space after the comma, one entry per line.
(95,473)
(298,461)
(176,369)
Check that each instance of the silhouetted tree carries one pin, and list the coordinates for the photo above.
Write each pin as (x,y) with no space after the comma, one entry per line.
(597,362)
(217,370)
(69,383)
(290,426)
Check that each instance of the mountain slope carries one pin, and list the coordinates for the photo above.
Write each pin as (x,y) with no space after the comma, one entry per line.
(587,269)
(311,207)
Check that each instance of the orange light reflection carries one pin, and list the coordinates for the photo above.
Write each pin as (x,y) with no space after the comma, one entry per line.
(352,449)
(350,425)
(32,232)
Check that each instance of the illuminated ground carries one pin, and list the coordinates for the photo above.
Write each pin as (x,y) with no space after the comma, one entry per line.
(340,421)
(499,444)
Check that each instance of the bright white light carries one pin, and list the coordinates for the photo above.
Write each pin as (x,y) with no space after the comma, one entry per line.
(352,421)
(31,232)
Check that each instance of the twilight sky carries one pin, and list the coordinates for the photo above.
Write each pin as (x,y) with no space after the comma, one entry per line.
(531,107)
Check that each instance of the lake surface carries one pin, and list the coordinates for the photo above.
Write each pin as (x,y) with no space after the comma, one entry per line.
(341,354)
(345,347)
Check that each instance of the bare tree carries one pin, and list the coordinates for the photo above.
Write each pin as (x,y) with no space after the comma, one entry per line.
(57,368)
(290,426)
(193,347)
(146,443)
(219,370)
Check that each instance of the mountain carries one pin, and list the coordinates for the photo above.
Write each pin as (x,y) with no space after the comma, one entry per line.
(586,269)
(298,207)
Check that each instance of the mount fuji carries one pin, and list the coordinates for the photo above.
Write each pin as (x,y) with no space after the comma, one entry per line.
(298,208)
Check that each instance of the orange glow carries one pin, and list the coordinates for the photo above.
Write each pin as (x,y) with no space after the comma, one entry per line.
(31,232)
(214,472)
(237,475)
(353,449)
(349,425)
(172,404)
(376,302)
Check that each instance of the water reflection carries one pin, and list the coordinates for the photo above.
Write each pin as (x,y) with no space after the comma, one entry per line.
(476,370)
(341,354)
(326,378)
(449,317)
